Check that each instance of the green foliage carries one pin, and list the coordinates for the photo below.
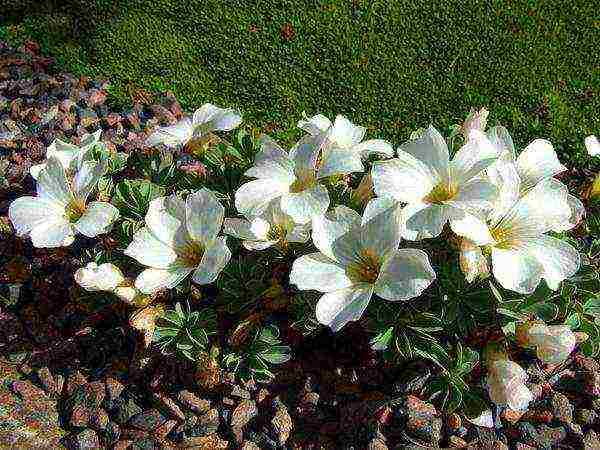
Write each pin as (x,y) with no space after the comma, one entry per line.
(455,365)
(132,197)
(255,359)
(185,332)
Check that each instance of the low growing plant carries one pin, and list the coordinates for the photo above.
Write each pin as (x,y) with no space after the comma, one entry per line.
(427,245)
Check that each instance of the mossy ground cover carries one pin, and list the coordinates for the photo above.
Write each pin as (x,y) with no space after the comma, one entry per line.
(390,65)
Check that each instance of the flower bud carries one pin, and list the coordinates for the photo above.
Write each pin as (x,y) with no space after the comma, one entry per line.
(476,120)
(472,261)
(553,343)
(592,145)
(506,385)
(94,277)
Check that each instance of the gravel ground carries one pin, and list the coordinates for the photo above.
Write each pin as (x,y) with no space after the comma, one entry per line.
(74,364)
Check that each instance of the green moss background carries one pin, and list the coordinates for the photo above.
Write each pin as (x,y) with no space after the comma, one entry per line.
(392,65)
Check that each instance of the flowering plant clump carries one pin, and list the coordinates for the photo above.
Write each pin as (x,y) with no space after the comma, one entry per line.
(424,245)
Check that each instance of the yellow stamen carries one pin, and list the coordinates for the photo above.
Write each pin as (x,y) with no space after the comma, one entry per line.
(75,209)
(441,193)
(191,253)
(366,268)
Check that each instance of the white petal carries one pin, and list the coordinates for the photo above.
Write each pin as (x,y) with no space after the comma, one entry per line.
(423,221)
(381,225)
(538,211)
(339,161)
(97,219)
(213,261)
(317,272)
(103,277)
(405,274)
(516,270)
(165,218)
(592,145)
(476,195)
(204,216)
(303,206)
(554,343)
(477,154)
(315,125)
(53,182)
(505,177)
(404,178)
(430,148)
(299,233)
(56,232)
(151,280)
(272,162)
(86,178)
(305,154)
(35,170)
(240,228)
(344,133)
(252,198)
(506,385)
(537,162)
(558,259)
(212,117)
(472,261)
(258,245)
(500,138)
(374,146)
(172,136)
(335,309)
(66,153)
(470,226)
(577,215)
(26,213)
(329,229)
(150,251)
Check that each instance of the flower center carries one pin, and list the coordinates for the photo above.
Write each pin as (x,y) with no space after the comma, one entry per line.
(366,268)
(75,210)
(276,233)
(303,181)
(441,193)
(502,237)
(191,253)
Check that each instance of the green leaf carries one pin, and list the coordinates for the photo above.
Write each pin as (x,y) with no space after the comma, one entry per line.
(573,321)
(132,197)
(592,307)
(383,339)
(277,355)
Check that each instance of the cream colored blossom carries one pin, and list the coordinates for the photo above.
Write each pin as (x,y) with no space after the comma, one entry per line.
(506,385)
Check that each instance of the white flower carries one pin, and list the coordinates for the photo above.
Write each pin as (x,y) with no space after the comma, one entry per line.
(59,211)
(522,254)
(206,119)
(292,178)
(180,237)
(345,146)
(436,189)
(270,228)
(103,277)
(106,278)
(592,145)
(358,257)
(70,156)
(506,385)
(553,343)
(537,162)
